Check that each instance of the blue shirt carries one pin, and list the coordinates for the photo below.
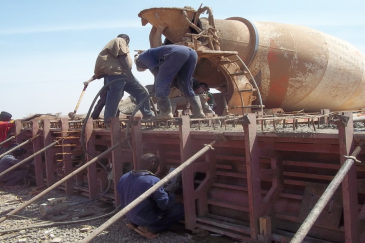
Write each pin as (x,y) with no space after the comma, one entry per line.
(7,161)
(133,184)
(153,57)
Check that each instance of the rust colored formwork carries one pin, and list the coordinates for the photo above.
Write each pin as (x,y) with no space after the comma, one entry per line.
(256,186)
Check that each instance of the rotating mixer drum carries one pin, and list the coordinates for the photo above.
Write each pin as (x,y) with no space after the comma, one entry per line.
(295,67)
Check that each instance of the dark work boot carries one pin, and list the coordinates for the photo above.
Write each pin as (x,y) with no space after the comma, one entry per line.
(164,106)
(197,107)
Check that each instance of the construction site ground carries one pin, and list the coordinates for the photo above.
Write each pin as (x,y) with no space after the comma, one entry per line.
(118,232)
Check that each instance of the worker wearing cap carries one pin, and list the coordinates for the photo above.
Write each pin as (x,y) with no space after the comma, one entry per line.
(156,213)
(16,176)
(166,62)
(112,63)
(198,90)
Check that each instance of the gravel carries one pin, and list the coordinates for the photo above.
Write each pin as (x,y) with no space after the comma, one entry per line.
(118,232)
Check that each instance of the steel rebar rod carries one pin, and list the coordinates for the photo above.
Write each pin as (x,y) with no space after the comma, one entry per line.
(63,180)
(323,200)
(147,193)
(29,157)
(7,140)
(19,146)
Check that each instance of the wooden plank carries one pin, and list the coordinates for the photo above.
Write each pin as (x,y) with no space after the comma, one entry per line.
(66,156)
(265,229)
(187,174)
(137,145)
(91,170)
(115,137)
(49,153)
(253,175)
(37,145)
(349,183)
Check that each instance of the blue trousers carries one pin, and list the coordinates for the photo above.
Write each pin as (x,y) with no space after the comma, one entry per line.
(157,224)
(115,94)
(180,63)
(100,105)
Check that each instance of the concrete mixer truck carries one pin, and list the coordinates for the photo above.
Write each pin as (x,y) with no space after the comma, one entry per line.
(264,64)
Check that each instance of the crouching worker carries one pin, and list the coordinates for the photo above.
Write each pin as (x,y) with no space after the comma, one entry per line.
(156,213)
(17,176)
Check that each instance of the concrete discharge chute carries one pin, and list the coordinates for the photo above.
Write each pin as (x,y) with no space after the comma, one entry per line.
(295,67)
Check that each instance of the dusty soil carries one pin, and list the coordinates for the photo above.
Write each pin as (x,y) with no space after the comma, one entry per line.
(11,198)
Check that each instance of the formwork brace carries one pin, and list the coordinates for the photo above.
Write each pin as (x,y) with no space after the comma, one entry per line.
(30,157)
(7,140)
(63,180)
(20,145)
(326,196)
(147,193)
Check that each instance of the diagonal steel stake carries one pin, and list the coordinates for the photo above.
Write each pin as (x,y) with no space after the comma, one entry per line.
(63,179)
(323,200)
(147,193)
(19,146)
(30,157)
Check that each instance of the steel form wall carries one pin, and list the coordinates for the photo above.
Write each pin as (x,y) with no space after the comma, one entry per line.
(246,188)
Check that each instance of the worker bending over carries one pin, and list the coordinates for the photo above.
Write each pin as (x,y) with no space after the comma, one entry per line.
(113,63)
(156,213)
(166,62)
(17,176)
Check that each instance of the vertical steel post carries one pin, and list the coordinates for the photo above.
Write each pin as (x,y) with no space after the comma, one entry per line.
(187,174)
(137,144)
(115,135)
(91,170)
(47,137)
(66,156)
(253,175)
(37,159)
(349,183)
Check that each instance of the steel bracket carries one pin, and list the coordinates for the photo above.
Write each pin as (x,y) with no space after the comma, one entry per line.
(244,120)
(353,158)
(338,119)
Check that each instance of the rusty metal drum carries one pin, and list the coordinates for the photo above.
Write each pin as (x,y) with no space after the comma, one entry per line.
(295,67)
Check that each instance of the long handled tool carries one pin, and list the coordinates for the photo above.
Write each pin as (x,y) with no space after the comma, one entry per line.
(72,114)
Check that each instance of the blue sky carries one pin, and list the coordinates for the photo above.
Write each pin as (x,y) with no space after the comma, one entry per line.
(48,48)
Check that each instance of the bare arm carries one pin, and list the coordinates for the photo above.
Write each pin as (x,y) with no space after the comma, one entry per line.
(90,80)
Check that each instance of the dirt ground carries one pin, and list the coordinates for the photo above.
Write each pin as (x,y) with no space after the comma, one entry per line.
(118,232)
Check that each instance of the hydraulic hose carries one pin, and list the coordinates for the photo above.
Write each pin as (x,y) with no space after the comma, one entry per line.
(82,141)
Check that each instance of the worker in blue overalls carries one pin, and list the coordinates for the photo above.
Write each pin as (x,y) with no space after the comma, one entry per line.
(166,62)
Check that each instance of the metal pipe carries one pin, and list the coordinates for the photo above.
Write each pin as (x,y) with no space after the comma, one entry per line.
(63,180)
(147,193)
(323,200)
(11,150)
(7,140)
(29,157)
